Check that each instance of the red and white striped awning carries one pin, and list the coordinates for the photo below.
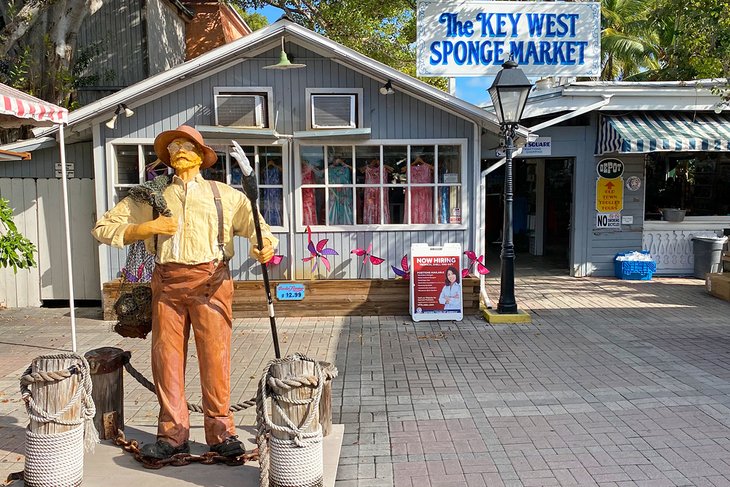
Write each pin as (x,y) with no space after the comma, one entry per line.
(18,104)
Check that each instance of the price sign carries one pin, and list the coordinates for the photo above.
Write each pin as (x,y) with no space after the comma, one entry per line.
(290,291)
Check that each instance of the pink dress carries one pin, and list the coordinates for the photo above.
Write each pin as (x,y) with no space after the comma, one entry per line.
(371,205)
(422,198)
(309,202)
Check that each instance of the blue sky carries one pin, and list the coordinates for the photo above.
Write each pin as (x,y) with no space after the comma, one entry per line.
(471,89)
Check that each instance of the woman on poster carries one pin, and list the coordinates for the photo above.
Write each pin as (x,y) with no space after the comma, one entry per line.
(451,293)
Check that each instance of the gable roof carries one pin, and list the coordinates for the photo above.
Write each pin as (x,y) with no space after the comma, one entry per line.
(268,38)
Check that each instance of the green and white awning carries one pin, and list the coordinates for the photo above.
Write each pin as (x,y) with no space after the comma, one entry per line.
(642,132)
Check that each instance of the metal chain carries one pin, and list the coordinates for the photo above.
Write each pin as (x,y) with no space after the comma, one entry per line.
(181,459)
(196,408)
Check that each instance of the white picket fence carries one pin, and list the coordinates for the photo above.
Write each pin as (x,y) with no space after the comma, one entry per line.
(38,214)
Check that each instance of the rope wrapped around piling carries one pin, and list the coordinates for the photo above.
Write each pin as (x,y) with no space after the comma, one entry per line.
(56,460)
(297,460)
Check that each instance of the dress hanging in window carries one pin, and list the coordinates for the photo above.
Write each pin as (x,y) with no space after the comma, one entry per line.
(340,199)
(272,197)
(309,200)
(371,206)
(422,198)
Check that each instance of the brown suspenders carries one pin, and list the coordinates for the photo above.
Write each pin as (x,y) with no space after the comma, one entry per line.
(219,210)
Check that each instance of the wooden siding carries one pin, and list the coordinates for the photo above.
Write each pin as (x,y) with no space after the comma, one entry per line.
(114,37)
(39,211)
(396,116)
(21,289)
(43,163)
(165,37)
(606,243)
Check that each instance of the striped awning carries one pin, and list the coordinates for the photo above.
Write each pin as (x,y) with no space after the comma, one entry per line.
(643,132)
(15,103)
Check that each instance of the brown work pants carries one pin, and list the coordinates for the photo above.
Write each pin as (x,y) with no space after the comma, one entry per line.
(198,295)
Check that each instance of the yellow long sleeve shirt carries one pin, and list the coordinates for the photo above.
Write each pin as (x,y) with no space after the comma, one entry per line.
(193,205)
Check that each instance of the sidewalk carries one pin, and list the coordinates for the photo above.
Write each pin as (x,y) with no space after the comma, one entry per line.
(614,383)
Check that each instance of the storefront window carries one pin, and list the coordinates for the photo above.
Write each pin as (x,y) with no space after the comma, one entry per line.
(135,163)
(696,182)
(382,185)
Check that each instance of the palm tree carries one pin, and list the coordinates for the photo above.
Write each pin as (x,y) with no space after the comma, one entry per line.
(628,39)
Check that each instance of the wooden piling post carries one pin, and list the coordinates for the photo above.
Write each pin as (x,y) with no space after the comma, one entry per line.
(106,365)
(325,402)
(295,412)
(55,451)
(52,397)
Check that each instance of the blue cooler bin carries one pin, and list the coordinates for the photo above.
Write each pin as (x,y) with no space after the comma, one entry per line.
(634,270)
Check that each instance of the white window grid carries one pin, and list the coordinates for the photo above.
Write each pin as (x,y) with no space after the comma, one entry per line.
(406,226)
(118,190)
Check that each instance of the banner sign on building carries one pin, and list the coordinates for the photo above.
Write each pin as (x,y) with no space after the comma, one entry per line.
(436,282)
(474,38)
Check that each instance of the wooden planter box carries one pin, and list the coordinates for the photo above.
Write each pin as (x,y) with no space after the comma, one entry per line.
(322,297)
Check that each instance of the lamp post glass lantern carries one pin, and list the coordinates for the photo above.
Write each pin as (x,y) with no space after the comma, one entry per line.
(509,96)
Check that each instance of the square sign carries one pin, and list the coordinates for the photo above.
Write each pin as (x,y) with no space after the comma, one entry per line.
(436,283)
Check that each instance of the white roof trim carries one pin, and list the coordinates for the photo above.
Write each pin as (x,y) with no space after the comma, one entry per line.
(30,145)
(243,46)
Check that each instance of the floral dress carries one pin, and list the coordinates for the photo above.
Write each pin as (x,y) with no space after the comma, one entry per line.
(340,199)
(371,206)
(271,198)
(309,200)
(422,197)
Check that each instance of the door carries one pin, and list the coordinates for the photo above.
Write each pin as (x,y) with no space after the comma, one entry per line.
(557,214)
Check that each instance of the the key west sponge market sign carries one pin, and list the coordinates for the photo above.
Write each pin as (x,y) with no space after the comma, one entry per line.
(471,38)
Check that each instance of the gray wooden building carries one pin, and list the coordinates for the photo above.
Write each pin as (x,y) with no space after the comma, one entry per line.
(673,140)
(335,150)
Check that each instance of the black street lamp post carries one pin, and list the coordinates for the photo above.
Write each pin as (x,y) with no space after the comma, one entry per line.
(509,96)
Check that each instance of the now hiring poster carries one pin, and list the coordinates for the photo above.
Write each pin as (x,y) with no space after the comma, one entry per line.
(436,292)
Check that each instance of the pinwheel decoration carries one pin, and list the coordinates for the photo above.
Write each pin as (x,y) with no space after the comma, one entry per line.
(473,259)
(367,255)
(275,260)
(404,271)
(318,252)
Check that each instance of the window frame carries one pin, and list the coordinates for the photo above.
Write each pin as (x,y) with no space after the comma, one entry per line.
(219,146)
(358,105)
(381,227)
(266,91)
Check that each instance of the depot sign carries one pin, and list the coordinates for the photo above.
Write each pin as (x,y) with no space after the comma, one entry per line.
(473,38)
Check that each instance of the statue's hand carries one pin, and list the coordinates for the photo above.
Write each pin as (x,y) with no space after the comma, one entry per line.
(240,157)
(162,225)
(265,254)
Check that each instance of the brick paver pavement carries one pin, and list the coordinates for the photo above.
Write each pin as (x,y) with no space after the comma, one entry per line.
(614,383)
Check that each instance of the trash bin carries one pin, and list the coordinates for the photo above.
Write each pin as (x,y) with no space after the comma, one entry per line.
(707,254)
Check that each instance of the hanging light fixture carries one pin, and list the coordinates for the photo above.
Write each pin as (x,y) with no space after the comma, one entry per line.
(387,89)
(284,62)
(128,112)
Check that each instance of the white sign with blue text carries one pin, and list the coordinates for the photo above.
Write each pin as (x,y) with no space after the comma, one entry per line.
(474,38)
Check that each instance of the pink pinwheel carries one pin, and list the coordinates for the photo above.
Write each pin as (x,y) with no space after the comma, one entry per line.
(367,255)
(404,271)
(318,252)
(473,259)
(275,260)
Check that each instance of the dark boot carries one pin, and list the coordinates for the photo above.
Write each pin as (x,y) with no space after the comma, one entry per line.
(162,449)
(230,447)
